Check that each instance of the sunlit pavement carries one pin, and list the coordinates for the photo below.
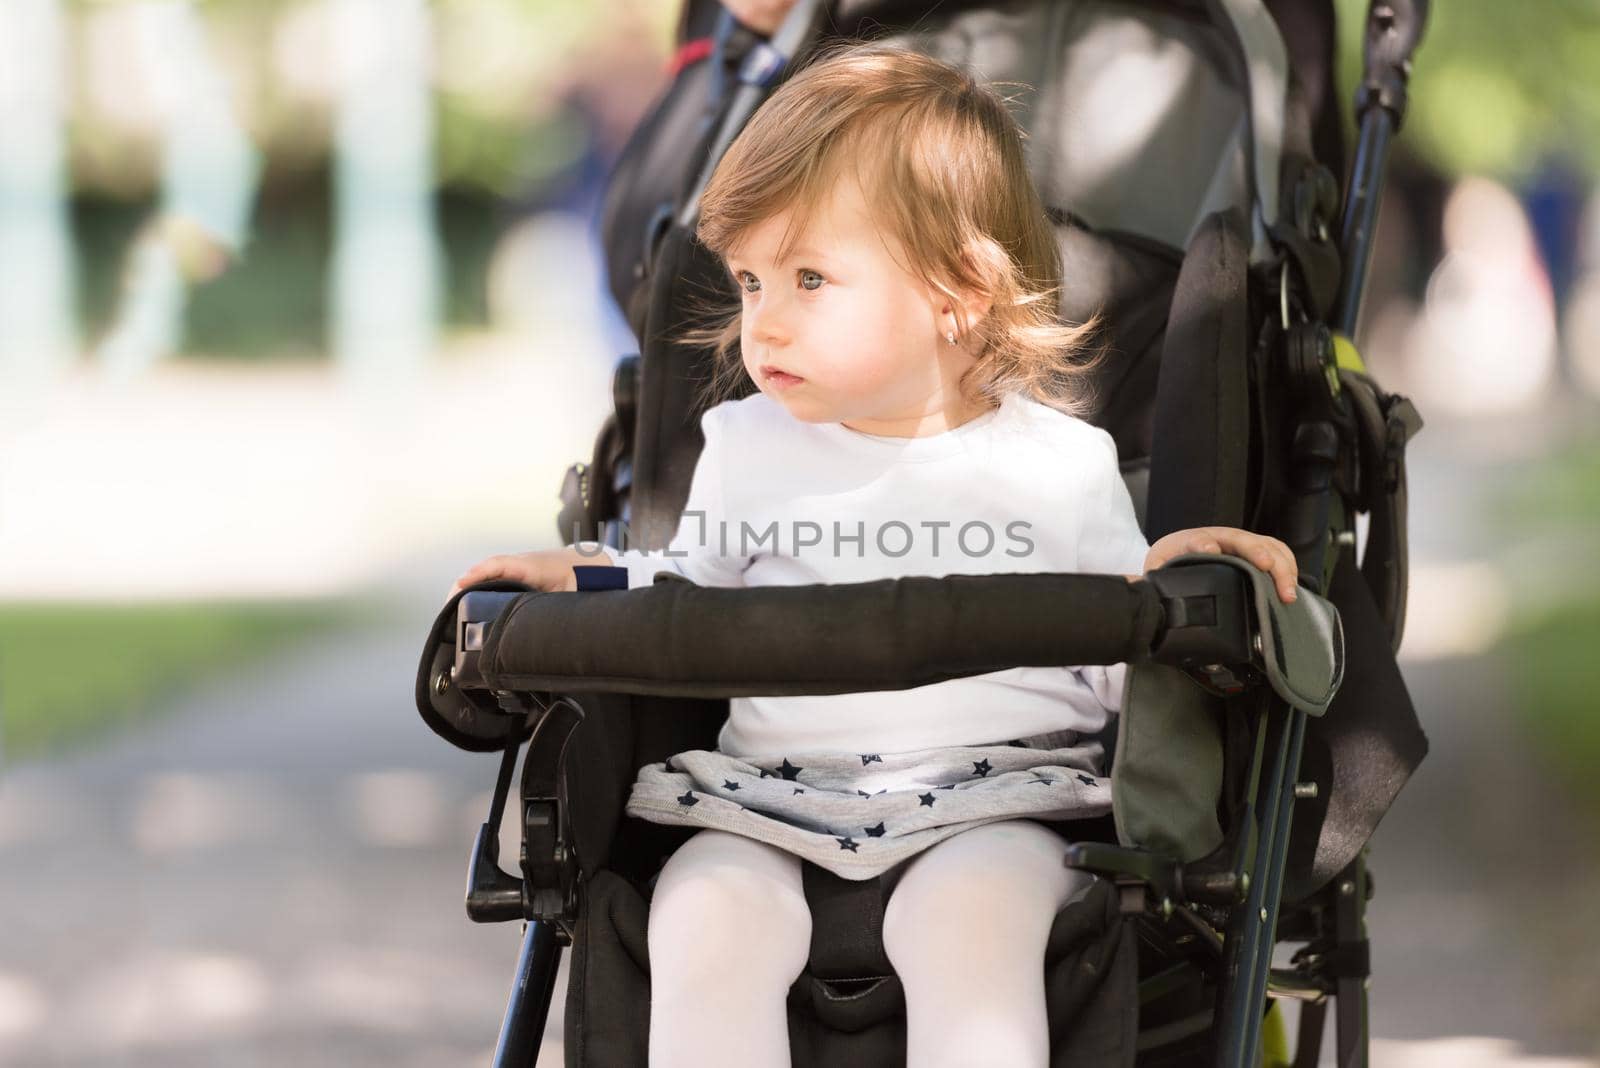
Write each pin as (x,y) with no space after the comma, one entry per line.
(273,873)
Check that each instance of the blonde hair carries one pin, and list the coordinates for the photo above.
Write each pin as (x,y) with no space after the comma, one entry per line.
(940,161)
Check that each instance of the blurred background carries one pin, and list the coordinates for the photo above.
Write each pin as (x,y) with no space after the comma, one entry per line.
(302,311)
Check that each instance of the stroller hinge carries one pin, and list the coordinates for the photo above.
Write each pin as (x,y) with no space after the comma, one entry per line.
(1131,869)
(492,895)
(549,867)
(1169,886)
(1336,960)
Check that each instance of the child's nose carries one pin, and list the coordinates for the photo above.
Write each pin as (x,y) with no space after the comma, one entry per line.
(767,323)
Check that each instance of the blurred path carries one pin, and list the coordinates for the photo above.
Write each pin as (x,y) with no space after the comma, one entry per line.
(271,875)
(1488,891)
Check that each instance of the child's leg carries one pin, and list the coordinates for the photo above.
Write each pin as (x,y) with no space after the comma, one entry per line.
(965,929)
(730,932)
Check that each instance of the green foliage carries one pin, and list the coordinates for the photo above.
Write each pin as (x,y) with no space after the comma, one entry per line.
(1495,86)
(103,231)
(501,157)
(1564,491)
(1557,678)
(72,673)
(274,301)
(469,225)
(1550,648)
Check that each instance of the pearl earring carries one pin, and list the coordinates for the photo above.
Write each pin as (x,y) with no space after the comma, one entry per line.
(950,336)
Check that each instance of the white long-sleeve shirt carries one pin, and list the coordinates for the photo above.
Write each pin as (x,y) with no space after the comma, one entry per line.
(779,502)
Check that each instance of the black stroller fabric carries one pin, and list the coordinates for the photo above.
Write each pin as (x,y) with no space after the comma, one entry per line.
(1364,748)
(1090,965)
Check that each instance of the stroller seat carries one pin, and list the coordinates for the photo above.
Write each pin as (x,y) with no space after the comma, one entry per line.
(847,1007)
(1225,407)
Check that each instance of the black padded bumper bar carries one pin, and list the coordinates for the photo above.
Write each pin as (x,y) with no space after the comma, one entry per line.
(677,639)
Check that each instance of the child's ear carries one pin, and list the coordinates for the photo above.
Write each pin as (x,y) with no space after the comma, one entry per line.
(978,305)
(973,307)
(986,264)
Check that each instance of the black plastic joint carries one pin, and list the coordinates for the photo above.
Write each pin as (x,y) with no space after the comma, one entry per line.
(1391,95)
(475,612)
(1309,348)
(1207,621)
(1393,31)
(1130,868)
(1315,199)
(493,896)
(549,868)
(1348,960)
(541,841)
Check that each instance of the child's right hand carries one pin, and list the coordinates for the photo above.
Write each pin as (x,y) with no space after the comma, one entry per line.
(550,571)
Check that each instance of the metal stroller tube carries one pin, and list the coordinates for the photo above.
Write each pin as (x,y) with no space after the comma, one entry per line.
(1394,28)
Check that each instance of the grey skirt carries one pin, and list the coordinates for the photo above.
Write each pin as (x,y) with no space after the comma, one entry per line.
(858,815)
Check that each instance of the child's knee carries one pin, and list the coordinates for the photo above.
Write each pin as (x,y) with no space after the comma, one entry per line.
(726,903)
(1006,880)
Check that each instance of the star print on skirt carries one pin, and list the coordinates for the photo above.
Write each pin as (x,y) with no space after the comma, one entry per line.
(860,814)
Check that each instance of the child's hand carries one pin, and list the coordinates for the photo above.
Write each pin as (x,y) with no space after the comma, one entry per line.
(550,571)
(763,16)
(1269,554)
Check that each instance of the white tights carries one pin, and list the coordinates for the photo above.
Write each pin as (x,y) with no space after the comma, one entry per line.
(965,928)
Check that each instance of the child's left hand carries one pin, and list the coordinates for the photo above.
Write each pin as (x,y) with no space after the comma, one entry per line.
(1269,554)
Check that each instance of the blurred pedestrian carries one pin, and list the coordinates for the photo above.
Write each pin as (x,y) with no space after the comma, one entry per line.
(210,172)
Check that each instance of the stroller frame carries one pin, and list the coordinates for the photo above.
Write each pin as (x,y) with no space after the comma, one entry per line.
(1157,888)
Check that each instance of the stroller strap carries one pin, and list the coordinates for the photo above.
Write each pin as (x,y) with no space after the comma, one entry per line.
(1266,62)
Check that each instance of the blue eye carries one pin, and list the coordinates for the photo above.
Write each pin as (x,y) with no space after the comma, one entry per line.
(744,278)
(807,277)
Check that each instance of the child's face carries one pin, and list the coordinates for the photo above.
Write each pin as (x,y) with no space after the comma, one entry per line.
(841,333)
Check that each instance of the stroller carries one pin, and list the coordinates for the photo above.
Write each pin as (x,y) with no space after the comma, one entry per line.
(1195,144)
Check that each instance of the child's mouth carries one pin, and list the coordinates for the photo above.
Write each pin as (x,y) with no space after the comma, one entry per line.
(779,379)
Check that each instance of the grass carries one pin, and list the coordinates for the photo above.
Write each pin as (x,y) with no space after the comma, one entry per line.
(1561,491)
(1550,649)
(72,673)
(1556,672)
